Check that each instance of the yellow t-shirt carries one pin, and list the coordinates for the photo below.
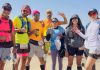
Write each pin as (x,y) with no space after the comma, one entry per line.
(39,27)
(21,38)
(47,24)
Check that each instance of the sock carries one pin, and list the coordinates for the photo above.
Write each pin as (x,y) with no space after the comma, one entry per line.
(42,67)
(69,68)
(94,68)
(79,68)
(27,67)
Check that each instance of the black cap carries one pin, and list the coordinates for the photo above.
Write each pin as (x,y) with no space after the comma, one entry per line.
(93,10)
(54,20)
(7,6)
(74,16)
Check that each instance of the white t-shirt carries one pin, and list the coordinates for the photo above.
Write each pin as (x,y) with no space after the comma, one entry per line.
(92,40)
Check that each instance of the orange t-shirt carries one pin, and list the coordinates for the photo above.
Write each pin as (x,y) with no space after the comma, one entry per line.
(39,27)
(48,24)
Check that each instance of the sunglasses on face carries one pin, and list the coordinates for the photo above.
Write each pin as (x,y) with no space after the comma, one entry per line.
(25,11)
(92,13)
(54,21)
(36,14)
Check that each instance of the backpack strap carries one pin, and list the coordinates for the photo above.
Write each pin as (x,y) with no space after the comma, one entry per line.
(0,21)
(23,24)
(28,25)
(10,24)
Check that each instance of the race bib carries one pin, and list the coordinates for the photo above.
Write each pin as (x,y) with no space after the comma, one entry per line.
(23,46)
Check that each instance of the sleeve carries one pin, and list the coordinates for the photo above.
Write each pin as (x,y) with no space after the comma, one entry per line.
(83,30)
(16,23)
(82,35)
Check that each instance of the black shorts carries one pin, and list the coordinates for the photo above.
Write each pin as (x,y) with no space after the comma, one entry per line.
(86,53)
(95,56)
(74,51)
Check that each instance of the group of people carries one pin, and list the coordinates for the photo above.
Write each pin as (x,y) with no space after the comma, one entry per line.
(28,36)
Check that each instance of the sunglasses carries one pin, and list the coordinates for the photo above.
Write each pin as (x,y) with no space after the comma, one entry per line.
(92,13)
(25,11)
(55,21)
(36,14)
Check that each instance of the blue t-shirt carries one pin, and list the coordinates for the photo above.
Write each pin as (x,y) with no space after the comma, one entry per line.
(55,32)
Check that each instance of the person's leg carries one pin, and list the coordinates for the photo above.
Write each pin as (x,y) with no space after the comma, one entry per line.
(53,56)
(40,55)
(46,49)
(4,55)
(16,63)
(71,53)
(31,53)
(2,65)
(79,55)
(23,61)
(90,62)
(70,62)
(42,63)
(28,63)
(78,61)
(1,59)
(86,53)
(60,62)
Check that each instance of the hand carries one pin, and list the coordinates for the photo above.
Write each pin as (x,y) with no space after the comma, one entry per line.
(14,50)
(33,32)
(62,14)
(76,30)
(82,48)
(49,31)
(23,29)
(60,36)
(66,54)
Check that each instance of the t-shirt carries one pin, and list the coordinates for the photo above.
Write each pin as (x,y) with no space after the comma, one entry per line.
(48,24)
(54,35)
(38,26)
(4,26)
(21,38)
(92,36)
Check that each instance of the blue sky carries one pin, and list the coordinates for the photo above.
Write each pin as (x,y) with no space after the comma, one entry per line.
(69,7)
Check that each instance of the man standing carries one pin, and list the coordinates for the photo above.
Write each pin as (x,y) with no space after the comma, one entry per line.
(22,28)
(36,40)
(6,34)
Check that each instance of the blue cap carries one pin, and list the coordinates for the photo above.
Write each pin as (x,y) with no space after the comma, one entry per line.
(93,10)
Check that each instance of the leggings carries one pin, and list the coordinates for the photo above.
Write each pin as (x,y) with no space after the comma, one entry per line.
(54,55)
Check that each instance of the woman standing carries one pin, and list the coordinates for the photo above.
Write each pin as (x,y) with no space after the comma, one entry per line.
(55,34)
(74,42)
(92,40)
